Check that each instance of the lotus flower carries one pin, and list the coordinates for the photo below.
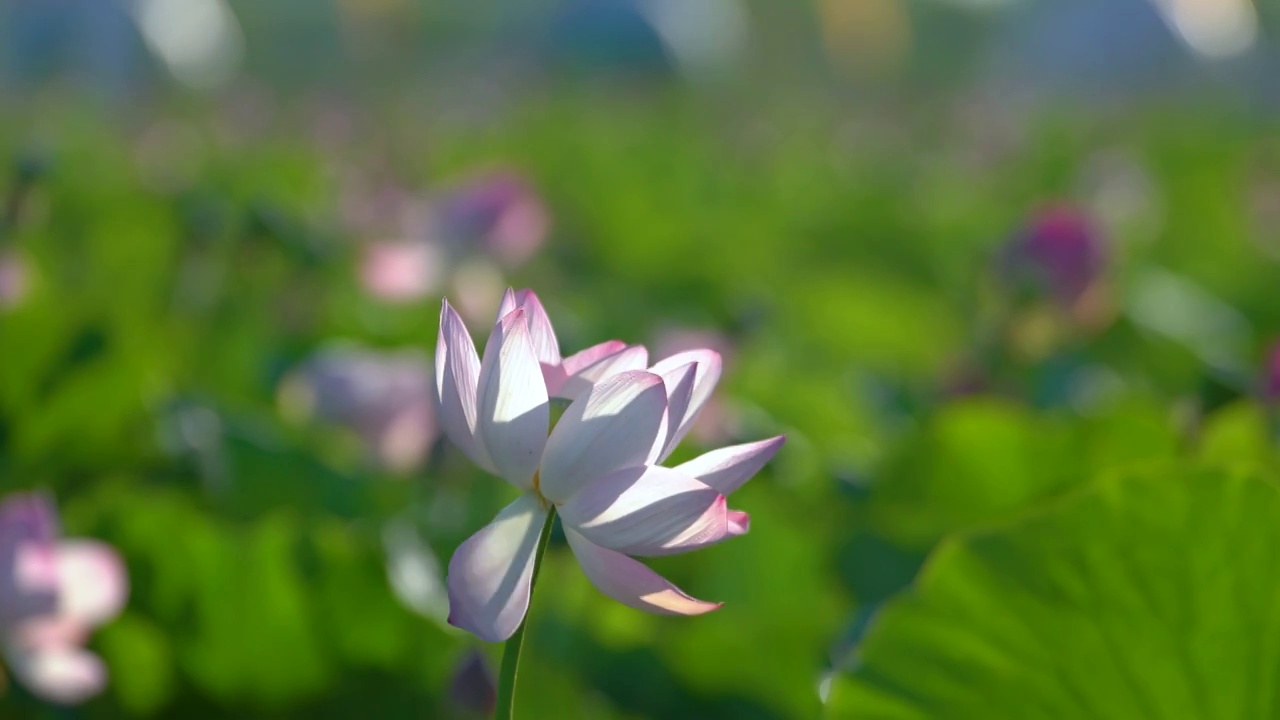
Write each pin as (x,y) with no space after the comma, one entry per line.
(1060,252)
(52,593)
(384,397)
(1271,374)
(15,282)
(599,467)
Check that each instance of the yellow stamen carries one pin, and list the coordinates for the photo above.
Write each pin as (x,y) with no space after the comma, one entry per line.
(537,491)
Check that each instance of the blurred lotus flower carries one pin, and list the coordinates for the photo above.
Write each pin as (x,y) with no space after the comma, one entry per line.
(401,271)
(14,279)
(473,689)
(1059,252)
(464,238)
(385,398)
(52,594)
(498,214)
(599,467)
(1271,374)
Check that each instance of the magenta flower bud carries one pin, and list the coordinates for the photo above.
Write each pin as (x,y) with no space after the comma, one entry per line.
(1060,253)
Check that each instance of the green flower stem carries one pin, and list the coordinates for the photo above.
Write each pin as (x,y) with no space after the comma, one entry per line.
(511,652)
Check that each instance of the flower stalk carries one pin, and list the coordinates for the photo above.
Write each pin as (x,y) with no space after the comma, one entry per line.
(505,708)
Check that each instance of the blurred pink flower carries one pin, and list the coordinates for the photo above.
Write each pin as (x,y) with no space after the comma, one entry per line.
(599,466)
(52,594)
(401,271)
(498,213)
(1060,252)
(492,223)
(15,279)
(1271,374)
(385,398)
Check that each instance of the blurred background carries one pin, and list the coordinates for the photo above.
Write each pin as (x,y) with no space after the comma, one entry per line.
(969,255)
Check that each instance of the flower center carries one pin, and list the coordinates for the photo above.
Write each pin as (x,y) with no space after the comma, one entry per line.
(537,491)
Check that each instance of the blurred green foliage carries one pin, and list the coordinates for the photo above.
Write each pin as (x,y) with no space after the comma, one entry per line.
(183,266)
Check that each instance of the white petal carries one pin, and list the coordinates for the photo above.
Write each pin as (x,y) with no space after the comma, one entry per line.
(541,333)
(557,373)
(630,582)
(612,426)
(728,468)
(575,385)
(457,379)
(491,574)
(679,383)
(65,674)
(93,585)
(648,511)
(507,304)
(709,366)
(514,413)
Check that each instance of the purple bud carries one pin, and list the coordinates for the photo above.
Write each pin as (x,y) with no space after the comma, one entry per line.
(1060,252)
(500,215)
(1271,374)
(472,687)
(386,398)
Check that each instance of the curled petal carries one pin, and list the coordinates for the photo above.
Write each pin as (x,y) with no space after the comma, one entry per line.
(634,357)
(631,583)
(739,522)
(457,379)
(679,384)
(65,674)
(93,585)
(648,511)
(709,366)
(612,426)
(491,573)
(728,468)
(514,414)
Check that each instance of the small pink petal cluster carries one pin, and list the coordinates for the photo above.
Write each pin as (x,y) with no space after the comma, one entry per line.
(600,466)
(52,594)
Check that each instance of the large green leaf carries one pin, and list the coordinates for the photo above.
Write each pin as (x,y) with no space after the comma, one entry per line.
(1152,596)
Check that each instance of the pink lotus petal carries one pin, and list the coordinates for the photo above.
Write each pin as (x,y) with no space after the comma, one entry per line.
(634,357)
(66,675)
(541,333)
(630,582)
(93,585)
(612,426)
(490,575)
(507,305)
(556,374)
(457,381)
(728,468)
(514,414)
(679,383)
(647,511)
(709,367)
(739,522)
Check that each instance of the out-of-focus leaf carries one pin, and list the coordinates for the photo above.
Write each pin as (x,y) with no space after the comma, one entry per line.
(143,658)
